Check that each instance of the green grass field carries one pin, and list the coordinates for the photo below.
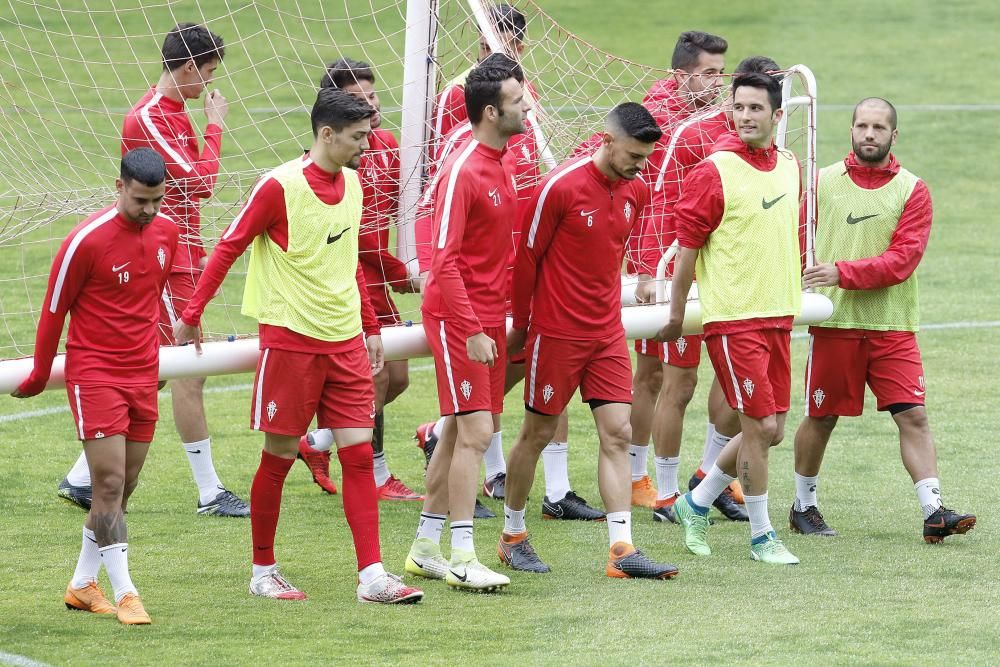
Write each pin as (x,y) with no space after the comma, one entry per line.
(876,594)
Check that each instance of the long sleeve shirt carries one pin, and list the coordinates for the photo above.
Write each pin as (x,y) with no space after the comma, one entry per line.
(163,124)
(108,275)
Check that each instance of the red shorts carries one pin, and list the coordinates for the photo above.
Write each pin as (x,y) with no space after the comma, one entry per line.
(601,369)
(385,307)
(291,387)
(838,369)
(754,369)
(176,295)
(465,385)
(685,352)
(100,411)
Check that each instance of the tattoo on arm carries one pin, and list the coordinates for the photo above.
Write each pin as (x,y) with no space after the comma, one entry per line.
(109,528)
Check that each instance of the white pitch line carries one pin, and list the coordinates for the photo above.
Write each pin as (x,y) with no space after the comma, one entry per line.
(20,416)
(19,660)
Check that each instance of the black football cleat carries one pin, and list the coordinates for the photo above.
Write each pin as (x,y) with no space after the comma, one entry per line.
(945,522)
(570,508)
(809,522)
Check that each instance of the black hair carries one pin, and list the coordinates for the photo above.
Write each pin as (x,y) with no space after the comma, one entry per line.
(336,108)
(758,64)
(346,72)
(758,80)
(691,44)
(190,41)
(482,86)
(144,165)
(508,19)
(636,121)
(876,101)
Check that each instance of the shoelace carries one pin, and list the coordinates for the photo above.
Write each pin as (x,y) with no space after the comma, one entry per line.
(814,518)
(529,551)
(281,582)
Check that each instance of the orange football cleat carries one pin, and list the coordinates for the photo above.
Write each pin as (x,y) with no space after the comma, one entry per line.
(131,611)
(643,493)
(89,598)
(737,492)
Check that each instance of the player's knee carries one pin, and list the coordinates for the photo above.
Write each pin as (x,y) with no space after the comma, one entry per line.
(766,429)
(827,423)
(108,488)
(680,390)
(648,377)
(396,387)
(616,435)
(130,486)
(912,419)
(779,435)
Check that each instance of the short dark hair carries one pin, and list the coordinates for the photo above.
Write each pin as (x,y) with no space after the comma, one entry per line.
(190,41)
(876,101)
(636,121)
(345,72)
(758,80)
(508,19)
(482,86)
(691,44)
(336,108)
(758,64)
(144,165)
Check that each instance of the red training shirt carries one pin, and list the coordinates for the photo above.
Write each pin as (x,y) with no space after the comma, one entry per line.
(162,124)
(108,275)
(379,174)
(471,236)
(567,276)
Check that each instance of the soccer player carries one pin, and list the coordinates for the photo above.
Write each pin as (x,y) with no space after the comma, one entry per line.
(873,226)
(306,288)
(450,107)
(379,173)
(698,61)
(464,311)
(191,54)
(108,275)
(567,287)
(690,142)
(737,220)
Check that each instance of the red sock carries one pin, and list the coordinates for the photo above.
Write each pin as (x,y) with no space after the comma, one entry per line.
(360,502)
(265,505)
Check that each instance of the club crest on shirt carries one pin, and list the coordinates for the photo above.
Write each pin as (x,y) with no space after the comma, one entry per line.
(818,396)
(748,387)
(494,194)
(628,211)
(272,409)
(98,435)
(161,256)
(466,388)
(681,345)
(547,393)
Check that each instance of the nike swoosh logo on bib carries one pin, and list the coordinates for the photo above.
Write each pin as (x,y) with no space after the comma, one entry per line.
(851,220)
(768,204)
(331,239)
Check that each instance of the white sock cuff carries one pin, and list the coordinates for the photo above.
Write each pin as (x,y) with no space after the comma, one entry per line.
(370,573)
(199,444)
(556,447)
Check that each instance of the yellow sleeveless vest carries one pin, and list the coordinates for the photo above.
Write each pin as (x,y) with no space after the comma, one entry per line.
(750,266)
(311,288)
(856,223)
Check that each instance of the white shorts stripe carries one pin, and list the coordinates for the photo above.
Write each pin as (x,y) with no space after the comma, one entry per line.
(449,146)
(534,369)
(155,133)
(809,371)
(732,374)
(79,410)
(71,250)
(447,368)
(259,401)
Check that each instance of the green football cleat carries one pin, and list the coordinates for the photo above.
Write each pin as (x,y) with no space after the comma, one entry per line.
(695,525)
(772,551)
